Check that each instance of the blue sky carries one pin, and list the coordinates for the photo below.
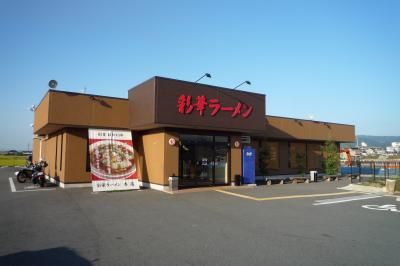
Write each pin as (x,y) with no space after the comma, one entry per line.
(338,60)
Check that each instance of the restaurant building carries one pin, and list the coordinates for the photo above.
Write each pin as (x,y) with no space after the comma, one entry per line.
(191,130)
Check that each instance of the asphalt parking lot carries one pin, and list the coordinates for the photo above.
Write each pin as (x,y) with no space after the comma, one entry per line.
(266,225)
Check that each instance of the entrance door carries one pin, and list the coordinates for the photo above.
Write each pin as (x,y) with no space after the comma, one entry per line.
(203,160)
(221,160)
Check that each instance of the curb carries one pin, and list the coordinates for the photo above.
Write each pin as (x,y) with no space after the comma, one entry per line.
(361,188)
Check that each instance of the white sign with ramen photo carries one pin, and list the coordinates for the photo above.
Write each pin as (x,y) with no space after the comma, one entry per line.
(112,160)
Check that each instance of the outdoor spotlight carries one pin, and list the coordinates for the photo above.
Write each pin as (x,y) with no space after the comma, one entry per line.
(208,75)
(244,82)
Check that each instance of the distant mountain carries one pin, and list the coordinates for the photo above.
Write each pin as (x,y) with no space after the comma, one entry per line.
(378,141)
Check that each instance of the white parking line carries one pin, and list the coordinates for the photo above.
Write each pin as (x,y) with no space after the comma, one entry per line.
(26,189)
(345,199)
(33,190)
(386,207)
(12,184)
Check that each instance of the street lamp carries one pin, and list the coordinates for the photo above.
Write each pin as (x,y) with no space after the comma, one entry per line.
(208,75)
(247,82)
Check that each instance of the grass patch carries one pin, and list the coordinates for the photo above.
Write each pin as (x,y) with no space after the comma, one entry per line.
(382,183)
(397,187)
(379,183)
(12,160)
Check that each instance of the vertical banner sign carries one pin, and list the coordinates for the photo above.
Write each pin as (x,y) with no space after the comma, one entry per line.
(112,161)
(249,165)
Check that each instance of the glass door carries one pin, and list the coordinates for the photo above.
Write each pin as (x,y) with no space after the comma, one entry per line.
(221,160)
(203,160)
(197,159)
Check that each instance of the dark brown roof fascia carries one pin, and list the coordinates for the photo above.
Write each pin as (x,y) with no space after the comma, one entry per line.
(308,120)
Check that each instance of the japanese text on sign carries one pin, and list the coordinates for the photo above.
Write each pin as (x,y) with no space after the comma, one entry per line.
(109,134)
(186,106)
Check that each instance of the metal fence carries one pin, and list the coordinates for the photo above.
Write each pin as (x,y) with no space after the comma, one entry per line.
(372,170)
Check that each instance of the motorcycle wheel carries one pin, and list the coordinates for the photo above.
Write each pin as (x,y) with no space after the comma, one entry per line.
(41,182)
(21,177)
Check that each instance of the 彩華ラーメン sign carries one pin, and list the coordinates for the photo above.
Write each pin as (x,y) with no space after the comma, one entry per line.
(201,103)
(112,161)
(163,102)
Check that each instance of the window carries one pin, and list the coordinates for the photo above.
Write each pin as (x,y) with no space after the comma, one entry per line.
(274,155)
(314,156)
(296,148)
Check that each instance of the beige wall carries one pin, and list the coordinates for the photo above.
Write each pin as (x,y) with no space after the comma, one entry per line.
(151,158)
(171,156)
(236,158)
(61,148)
(95,111)
(41,117)
(48,154)
(75,156)
(63,109)
(35,150)
(53,152)
(66,155)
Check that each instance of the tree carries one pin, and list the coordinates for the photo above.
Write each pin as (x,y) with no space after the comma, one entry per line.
(332,158)
(301,163)
(264,155)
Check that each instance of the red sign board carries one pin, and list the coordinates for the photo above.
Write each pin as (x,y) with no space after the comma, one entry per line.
(186,106)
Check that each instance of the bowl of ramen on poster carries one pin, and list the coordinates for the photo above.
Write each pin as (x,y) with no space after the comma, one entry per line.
(112,159)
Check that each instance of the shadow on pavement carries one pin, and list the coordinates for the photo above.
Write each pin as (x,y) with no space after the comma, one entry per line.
(55,256)
(48,184)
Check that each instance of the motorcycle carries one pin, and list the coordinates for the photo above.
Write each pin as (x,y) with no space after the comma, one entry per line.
(33,172)
(25,173)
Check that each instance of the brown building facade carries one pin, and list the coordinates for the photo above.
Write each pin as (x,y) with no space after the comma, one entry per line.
(190,130)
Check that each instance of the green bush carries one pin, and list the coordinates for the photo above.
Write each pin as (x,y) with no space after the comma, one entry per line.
(301,163)
(264,155)
(332,158)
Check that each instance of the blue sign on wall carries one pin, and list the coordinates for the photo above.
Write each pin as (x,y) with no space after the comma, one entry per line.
(249,165)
